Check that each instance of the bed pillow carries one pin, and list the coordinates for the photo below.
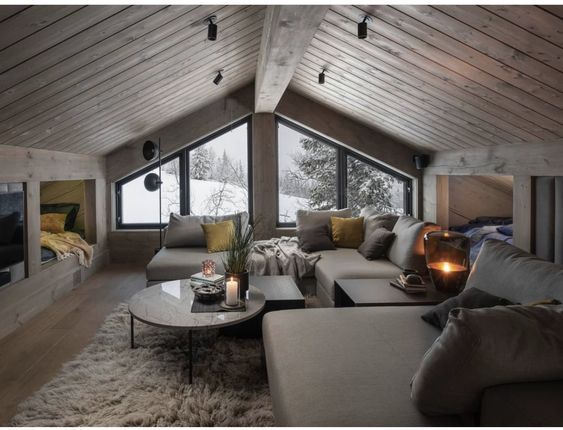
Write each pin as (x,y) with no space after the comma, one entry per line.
(307,218)
(313,239)
(481,348)
(407,250)
(218,235)
(53,223)
(8,224)
(507,230)
(347,232)
(470,299)
(70,209)
(375,246)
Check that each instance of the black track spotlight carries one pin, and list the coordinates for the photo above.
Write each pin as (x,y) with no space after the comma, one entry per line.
(211,28)
(218,78)
(322,77)
(363,27)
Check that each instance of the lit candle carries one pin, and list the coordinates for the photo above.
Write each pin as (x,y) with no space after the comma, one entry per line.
(231,292)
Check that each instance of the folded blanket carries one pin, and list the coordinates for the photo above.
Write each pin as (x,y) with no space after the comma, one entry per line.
(281,256)
(66,244)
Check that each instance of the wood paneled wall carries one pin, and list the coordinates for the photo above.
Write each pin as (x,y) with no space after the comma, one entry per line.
(22,300)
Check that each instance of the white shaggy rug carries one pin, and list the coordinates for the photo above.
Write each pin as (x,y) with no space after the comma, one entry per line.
(109,384)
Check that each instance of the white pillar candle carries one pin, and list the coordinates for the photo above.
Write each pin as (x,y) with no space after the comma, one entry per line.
(231,292)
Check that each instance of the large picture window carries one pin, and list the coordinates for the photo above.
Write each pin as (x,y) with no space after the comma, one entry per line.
(209,177)
(316,174)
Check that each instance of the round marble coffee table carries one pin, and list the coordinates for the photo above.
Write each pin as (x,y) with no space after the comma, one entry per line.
(169,305)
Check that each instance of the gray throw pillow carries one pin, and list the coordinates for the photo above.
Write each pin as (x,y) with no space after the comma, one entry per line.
(407,250)
(313,239)
(375,246)
(307,218)
(373,222)
(481,348)
(473,298)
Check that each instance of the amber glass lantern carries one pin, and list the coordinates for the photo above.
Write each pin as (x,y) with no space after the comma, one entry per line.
(447,259)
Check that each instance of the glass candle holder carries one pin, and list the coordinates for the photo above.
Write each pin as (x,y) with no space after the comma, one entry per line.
(231,292)
(447,259)
(208,268)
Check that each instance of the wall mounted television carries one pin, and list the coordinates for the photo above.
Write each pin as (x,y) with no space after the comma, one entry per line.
(12,242)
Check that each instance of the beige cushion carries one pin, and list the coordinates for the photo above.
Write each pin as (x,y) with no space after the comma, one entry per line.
(407,250)
(346,366)
(186,231)
(480,348)
(506,271)
(180,263)
(349,263)
(307,218)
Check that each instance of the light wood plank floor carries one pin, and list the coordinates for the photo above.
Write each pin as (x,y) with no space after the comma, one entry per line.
(32,355)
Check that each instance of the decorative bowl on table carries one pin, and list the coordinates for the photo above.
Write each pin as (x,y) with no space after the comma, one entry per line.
(207,293)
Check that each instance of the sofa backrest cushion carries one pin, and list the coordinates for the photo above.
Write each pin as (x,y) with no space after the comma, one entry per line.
(407,250)
(373,222)
(507,271)
(480,348)
(307,218)
(184,231)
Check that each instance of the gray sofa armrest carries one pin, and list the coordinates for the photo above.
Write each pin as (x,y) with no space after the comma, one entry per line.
(527,404)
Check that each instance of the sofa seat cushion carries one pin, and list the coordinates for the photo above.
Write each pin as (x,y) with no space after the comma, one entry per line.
(347,366)
(180,263)
(349,263)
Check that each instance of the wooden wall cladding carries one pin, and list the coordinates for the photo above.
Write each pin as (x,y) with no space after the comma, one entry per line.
(87,79)
(443,77)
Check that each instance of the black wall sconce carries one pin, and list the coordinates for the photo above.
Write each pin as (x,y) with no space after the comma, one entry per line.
(421,161)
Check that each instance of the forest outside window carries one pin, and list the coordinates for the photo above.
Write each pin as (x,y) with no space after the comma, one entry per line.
(210,177)
(316,174)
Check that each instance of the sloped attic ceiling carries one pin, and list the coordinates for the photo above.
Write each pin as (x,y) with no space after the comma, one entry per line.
(443,77)
(88,79)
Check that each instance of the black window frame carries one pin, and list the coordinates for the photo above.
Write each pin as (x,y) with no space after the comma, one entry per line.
(184,158)
(341,170)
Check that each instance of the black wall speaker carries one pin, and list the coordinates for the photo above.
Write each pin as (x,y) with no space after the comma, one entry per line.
(421,161)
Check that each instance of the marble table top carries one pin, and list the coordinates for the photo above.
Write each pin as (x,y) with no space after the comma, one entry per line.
(169,305)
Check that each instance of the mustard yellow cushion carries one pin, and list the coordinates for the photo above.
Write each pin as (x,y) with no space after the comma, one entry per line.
(53,222)
(218,236)
(347,232)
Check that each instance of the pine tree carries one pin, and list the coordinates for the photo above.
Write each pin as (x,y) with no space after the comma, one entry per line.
(200,163)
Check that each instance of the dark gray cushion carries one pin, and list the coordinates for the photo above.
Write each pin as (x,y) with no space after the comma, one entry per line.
(373,222)
(313,239)
(407,250)
(506,271)
(473,298)
(375,246)
(481,348)
(8,224)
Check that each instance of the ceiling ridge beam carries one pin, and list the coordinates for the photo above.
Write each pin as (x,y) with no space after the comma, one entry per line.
(288,31)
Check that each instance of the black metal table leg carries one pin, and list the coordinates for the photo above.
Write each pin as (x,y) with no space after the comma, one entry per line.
(190,356)
(132,331)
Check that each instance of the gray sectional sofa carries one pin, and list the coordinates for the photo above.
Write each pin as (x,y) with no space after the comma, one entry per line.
(353,366)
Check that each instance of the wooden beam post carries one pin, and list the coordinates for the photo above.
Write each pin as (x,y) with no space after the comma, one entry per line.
(288,30)
(524,212)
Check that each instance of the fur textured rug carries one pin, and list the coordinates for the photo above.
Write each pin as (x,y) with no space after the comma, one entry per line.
(109,384)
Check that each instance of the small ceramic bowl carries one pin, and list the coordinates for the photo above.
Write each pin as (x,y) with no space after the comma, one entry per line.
(207,293)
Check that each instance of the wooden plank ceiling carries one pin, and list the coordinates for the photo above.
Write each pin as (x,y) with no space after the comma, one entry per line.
(88,79)
(442,77)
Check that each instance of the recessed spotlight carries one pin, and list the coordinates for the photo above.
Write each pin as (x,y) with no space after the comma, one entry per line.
(211,28)
(363,27)
(322,77)
(218,78)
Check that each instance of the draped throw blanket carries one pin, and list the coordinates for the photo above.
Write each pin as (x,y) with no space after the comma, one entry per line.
(66,244)
(281,256)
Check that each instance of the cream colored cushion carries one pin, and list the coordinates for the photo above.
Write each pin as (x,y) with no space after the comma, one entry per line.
(53,222)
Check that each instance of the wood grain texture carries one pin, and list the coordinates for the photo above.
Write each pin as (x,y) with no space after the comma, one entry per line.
(524,212)
(440,77)
(287,32)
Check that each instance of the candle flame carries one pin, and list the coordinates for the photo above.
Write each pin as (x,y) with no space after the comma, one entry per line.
(447,268)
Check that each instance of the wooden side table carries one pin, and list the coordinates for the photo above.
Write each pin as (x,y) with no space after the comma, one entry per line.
(378,292)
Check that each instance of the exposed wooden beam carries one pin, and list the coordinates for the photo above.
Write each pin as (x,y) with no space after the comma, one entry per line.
(288,30)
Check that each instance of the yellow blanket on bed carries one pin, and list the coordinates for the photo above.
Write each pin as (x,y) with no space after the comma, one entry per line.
(66,244)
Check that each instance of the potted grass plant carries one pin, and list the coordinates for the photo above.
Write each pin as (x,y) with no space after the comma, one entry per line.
(237,258)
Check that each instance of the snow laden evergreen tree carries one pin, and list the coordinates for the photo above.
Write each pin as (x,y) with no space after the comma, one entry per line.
(200,163)
(368,186)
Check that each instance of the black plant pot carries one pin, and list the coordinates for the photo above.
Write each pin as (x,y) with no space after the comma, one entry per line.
(243,282)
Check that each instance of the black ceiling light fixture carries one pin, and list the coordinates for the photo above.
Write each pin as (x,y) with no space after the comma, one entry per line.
(322,76)
(211,27)
(363,27)
(218,78)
